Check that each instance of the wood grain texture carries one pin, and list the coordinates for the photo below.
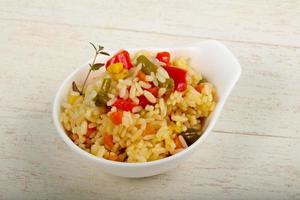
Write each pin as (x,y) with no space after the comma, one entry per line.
(269,22)
(253,152)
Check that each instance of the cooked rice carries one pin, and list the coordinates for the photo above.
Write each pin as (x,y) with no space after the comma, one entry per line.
(144,85)
(161,91)
(163,72)
(137,109)
(155,82)
(149,78)
(149,96)
(160,78)
(182,141)
(168,116)
(111,101)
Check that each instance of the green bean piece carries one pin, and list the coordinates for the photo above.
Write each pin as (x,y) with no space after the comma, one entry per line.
(168,84)
(148,66)
(105,85)
(102,98)
(190,136)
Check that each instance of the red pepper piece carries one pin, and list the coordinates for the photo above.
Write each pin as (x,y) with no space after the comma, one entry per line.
(143,101)
(123,57)
(124,104)
(154,91)
(179,77)
(163,56)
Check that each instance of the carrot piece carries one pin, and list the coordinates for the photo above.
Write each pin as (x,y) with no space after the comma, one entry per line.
(199,87)
(108,141)
(149,130)
(112,156)
(177,143)
(116,117)
(141,76)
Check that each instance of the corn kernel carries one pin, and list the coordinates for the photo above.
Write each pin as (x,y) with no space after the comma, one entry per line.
(172,127)
(115,68)
(181,63)
(195,80)
(178,129)
(121,75)
(72,99)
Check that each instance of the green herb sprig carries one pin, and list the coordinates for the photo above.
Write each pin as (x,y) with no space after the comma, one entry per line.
(93,67)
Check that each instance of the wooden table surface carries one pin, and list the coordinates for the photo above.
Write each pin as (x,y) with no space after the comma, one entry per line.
(254,149)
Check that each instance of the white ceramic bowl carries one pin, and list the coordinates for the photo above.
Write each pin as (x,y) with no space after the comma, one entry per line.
(211,58)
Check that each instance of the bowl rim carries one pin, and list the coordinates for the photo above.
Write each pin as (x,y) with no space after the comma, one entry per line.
(217,111)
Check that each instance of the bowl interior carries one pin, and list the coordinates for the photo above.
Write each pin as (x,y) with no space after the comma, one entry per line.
(211,58)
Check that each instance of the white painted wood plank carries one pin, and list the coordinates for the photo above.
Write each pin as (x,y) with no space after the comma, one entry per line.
(267,97)
(254,151)
(274,22)
(225,167)
(264,102)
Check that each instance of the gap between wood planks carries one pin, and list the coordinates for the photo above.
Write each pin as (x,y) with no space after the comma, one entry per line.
(149,32)
(254,134)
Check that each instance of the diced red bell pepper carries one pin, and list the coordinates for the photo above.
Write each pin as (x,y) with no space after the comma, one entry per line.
(123,57)
(179,77)
(124,104)
(154,91)
(163,56)
(143,101)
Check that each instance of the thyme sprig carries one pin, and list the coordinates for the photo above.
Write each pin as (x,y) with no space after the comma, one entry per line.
(93,67)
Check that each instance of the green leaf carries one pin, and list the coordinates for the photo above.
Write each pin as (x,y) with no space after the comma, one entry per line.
(100,48)
(105,53)
(93,67)
(75,88)
(97,66)
(94,46)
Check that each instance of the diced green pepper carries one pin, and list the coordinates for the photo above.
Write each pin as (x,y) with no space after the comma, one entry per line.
(105,85)
(168,84)
(148,66)
(191,135)
(102,98)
